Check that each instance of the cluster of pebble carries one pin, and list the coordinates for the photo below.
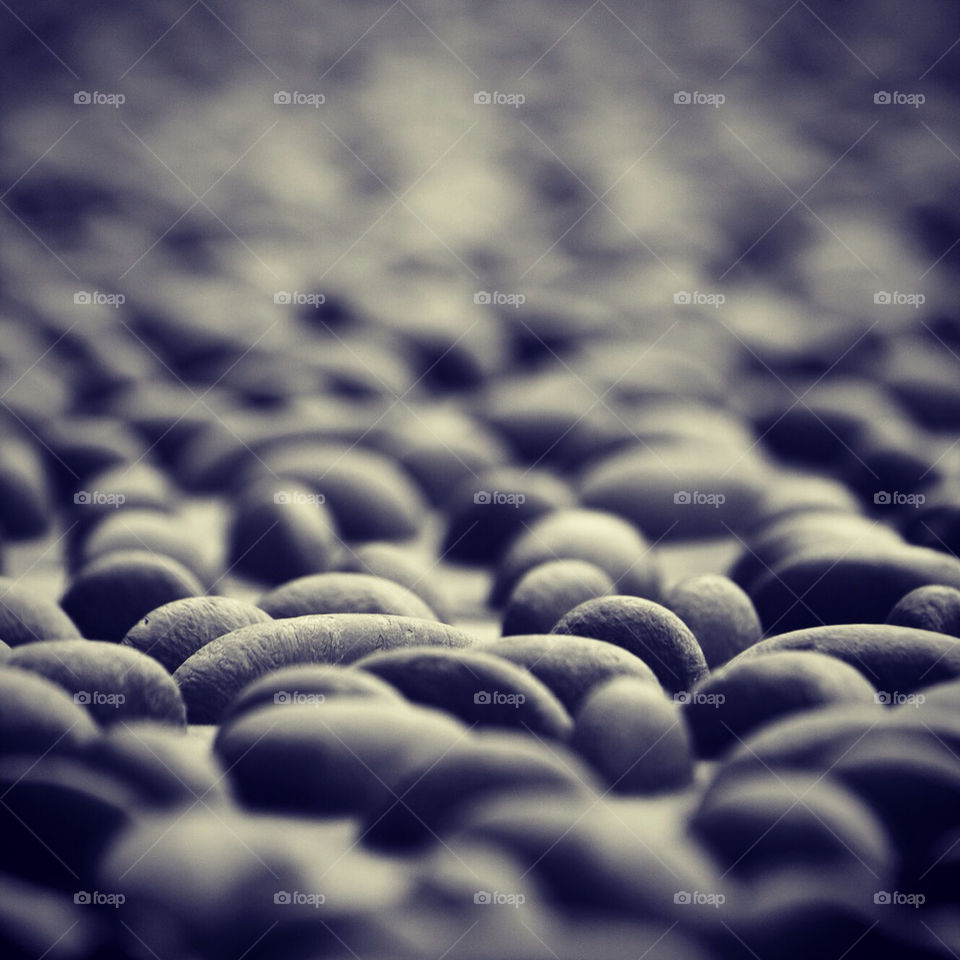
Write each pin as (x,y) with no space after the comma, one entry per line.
(480,594)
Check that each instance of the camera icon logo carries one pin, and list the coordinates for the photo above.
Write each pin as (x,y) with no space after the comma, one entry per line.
(282,97)
(882,298)
(682,96)
(482,297)
(482,697)
(681,496)
(682,297)
(82,97)
(883,97)
(881,897)
(82,498)
(682,697)
(481,496)
(482,897)
(282,496)
(82,897)
(82,298)
(281,696)
(282,897)
(482,98)
(82,697)
(882,498)
(282,297)
(682,896)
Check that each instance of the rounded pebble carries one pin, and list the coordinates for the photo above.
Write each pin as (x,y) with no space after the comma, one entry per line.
(571,667)
(219,670)
(280,530)
(309,683)
(175,631)
(720,615)
(933,607)
(114,683)
(109,595)
(737,699)
(634,737)
(548,591)
(647,630)
(607,541)
(479,688)
(26,618)
(343,593)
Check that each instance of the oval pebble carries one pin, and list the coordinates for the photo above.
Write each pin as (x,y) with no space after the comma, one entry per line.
(109,595)
(479,688)
(218,671)
(548,591)
(114,683)
(486,764)
(175,631)
(846,585)
(291,887)
(933,607)
(26,617)
(607,541)
(765,823)
(163,535)
(37,716)
(25,508)
(309,683)
(370,495)
(737,699)
(719,614)
(343,593)
(56,818)
(579,851)
(673,492)
(394,563)
(165,766)
(899,659)
(337,758)
(486,512)
(634,737)
(647,630)
(571,667)
(280,530)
